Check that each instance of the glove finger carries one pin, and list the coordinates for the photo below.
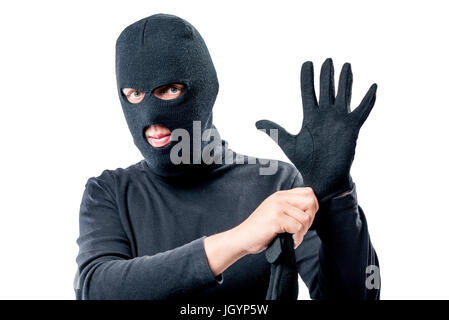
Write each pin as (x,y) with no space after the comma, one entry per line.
(284,139)
(327,90)
(363,110)
(343,99)
(309,102)
(274,250)
(273,285)
(284,275)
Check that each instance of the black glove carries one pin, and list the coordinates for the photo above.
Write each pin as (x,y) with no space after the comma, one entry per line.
(322,151)
(324,148)
(284,275)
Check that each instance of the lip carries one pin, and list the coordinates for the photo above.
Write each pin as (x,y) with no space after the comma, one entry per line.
(158,135)
(159,140)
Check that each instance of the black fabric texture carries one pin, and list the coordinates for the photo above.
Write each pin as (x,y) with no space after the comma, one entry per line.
(159,50)
(324,148)
(283,283)
(141,237)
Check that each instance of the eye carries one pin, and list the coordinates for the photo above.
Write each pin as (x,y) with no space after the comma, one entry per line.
(169,92)
(173,90)
(133,95)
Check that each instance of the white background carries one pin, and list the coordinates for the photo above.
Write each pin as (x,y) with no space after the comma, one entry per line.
(61,121)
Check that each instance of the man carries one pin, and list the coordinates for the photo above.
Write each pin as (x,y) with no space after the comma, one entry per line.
(164,228)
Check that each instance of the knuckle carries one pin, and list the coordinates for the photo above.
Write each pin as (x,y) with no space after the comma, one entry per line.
(308,190)
(314,206)
(277,195)
(312,214)
(310,202)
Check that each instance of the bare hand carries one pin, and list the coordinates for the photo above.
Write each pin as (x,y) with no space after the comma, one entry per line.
(289,211)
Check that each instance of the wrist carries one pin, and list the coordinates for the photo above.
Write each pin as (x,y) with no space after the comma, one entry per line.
(222,250)
(237,241)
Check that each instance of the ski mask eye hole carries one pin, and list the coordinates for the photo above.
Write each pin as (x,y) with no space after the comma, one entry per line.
(133,95)
(169,91)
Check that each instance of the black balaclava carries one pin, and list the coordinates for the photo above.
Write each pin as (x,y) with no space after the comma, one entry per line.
(159,50)
(164,49)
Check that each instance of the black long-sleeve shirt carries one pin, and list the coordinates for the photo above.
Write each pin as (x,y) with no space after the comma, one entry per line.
(141,237)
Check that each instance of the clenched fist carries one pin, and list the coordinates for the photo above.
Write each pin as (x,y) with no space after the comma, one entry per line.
(289,211)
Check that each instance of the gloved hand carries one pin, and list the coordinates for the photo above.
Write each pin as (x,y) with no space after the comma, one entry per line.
(324,148)
(322,151)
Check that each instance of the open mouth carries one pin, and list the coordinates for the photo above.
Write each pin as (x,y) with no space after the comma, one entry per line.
(157,135)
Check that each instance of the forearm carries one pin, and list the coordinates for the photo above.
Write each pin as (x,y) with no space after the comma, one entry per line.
(346,251)
(180,272)
(222,250)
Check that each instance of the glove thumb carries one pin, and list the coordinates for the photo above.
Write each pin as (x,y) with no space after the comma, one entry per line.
(275,132)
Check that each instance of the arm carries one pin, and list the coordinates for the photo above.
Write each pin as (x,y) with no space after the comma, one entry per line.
(323,152)
(222,250)
(108,270)
(335,261)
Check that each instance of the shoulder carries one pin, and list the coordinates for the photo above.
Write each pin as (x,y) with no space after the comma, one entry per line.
(110,178)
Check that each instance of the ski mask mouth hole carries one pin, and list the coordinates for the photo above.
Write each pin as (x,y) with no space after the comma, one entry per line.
(157,136)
